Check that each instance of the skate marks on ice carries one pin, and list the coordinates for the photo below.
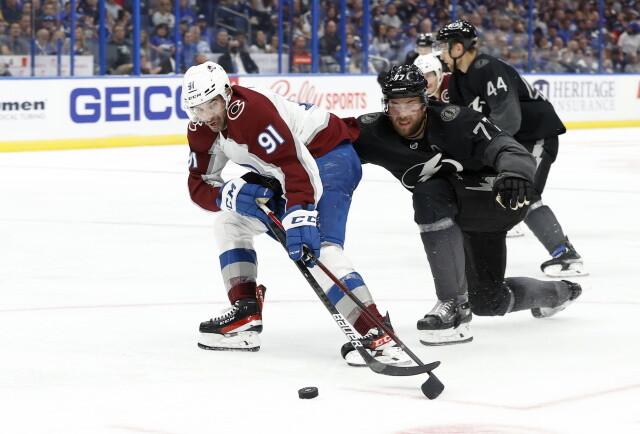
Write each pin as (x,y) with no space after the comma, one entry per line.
(105,275)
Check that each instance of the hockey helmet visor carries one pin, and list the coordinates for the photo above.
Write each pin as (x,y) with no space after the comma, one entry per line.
(404,81)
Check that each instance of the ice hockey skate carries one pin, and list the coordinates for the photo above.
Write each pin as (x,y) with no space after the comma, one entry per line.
(447,323)
(545,312)
(235,329)
(381,347)
(565,262)
(516,231)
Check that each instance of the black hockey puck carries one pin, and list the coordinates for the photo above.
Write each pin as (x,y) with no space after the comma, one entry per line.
(308,392)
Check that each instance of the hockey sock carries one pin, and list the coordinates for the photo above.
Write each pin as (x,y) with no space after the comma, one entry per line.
(242,290)
(363,324)
(545,226)
(531,293)
(444,247)
(239,269)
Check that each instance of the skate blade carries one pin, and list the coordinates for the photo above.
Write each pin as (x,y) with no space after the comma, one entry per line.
(574,269)
(242,341)
(354,359)
(206,347)
(459,335)
(546,312)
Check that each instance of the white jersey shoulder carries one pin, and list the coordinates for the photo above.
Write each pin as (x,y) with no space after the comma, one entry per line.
(304,120)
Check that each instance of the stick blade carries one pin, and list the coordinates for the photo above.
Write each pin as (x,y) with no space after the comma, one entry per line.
(433,387)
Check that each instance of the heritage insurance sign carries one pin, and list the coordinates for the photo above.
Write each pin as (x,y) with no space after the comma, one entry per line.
(598,97)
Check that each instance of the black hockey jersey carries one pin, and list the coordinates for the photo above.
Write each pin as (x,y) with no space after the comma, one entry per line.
(495,89)
(457,139)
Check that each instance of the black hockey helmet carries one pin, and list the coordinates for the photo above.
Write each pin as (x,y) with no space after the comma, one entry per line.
(458,31)
(424,40)
(403,81)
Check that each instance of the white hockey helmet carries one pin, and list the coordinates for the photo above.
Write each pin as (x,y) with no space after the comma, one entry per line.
(202,83)
(430,63)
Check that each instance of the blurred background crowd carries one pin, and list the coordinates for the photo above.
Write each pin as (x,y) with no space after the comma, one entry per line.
(564,36)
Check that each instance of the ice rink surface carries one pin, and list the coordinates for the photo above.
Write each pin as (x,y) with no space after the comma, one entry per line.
(107,268)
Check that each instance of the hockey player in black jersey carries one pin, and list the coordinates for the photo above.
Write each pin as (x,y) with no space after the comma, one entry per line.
(471,182)
(495,89)
(424,41)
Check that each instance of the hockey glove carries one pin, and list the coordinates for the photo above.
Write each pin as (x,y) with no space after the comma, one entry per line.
(512,191)
(265,181)
(300,225)
(239,196)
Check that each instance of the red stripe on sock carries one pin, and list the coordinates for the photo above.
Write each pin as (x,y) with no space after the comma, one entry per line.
(363,324)
(242,290)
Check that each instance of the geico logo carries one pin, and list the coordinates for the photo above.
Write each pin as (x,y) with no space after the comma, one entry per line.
(112,104)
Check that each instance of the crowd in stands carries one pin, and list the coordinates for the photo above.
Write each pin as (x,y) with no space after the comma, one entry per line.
(565,38)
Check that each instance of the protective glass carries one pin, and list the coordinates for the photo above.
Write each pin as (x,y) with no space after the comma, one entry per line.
(397,109)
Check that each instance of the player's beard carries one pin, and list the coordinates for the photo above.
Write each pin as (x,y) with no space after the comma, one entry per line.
(409,128)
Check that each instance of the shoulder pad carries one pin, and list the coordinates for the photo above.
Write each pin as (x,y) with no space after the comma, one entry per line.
(369,118)
(480,63)
(450,112)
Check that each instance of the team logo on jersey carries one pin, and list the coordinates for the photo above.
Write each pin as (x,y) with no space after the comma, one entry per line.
(477,104)
(485,185)
(444,96)
(369,118)
(450,112)
(235,109)
(413,145)
(423,171)
(480,63)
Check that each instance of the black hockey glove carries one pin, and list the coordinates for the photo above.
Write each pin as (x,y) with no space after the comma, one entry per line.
(512,191)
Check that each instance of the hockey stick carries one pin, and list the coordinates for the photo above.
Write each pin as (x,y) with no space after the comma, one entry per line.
(431,388)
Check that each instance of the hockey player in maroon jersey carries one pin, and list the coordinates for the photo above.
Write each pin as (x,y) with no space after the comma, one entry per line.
(495,89)
(437,81)
(308,152)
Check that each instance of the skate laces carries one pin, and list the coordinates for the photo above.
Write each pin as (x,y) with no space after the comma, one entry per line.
(226,313)
(442,308)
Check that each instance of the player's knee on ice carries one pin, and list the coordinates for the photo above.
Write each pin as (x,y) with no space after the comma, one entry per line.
(492,299)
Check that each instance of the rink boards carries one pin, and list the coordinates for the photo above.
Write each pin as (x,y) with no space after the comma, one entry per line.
(90,112)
